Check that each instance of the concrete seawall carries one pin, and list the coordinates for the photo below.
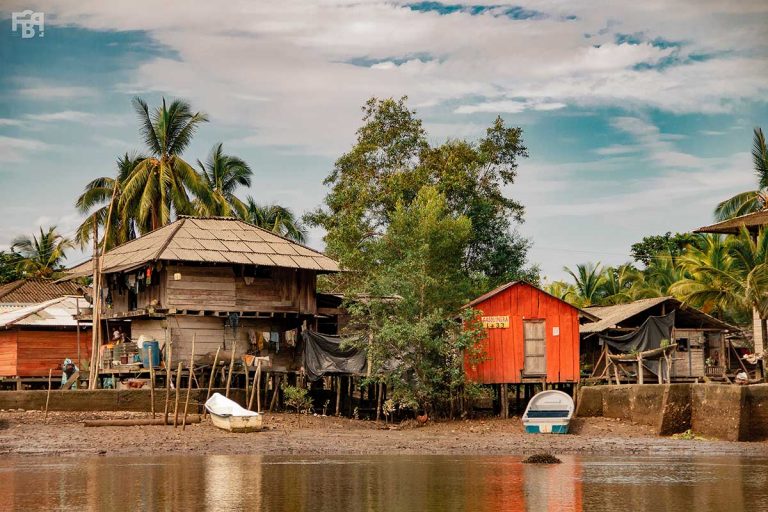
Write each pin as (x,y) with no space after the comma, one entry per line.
(733,413)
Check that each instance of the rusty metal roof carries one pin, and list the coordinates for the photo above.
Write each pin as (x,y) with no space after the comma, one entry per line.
(212,240)
(34,290)
(612,316)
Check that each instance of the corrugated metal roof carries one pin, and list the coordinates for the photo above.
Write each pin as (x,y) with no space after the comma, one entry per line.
(214,240)
(35,290)
(610,316)
(57,312)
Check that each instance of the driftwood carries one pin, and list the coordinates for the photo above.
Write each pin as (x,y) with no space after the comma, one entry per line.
(192,418)
(213,376)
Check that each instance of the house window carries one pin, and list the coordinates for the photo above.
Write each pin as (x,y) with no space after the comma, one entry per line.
(683,344)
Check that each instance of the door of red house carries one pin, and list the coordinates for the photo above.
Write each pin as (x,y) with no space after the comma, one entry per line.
(535,347)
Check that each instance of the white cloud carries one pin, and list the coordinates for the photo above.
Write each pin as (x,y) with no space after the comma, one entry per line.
(14,149)
(66,115)
(44,92)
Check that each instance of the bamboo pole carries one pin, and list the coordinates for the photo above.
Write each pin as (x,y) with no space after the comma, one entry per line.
(167,376)
(193,418)
(176,397)
(338,395)
(231,366)
(378,401)
(189,381)
(48,395)
(151,382)
(255,386)
(210,381)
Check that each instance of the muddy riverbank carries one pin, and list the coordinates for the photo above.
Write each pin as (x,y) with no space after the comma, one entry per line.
(25,433)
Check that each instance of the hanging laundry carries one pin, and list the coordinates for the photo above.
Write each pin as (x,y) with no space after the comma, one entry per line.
(149,276)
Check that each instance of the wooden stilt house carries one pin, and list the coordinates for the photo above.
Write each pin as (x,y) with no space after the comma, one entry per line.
(224,282)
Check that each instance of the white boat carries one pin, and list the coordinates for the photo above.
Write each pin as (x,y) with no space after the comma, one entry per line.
(548,412)
(228,415)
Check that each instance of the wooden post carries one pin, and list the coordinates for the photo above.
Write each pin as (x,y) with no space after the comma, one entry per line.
(504,402)
(276,392)
(189,382)
(95,322)
(176,397)
(168,379)
(210,381)
(640,369)
(255,388)
(378,400)
(338,395)
(48,395)
(151,382)
(231,365)
(616,372)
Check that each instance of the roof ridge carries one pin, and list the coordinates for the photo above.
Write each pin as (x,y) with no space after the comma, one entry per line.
(167,242)
(18,284)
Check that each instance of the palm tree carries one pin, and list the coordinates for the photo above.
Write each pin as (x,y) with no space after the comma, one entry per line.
(43,256)
(222,174)
(620,285)
(159,185)
(277,219)
(100,193)
(587,279)
(727,276)
(751,200)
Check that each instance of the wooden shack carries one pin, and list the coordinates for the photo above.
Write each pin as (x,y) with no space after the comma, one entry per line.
(37,338)
(220,281)
(701,346)
(531,337)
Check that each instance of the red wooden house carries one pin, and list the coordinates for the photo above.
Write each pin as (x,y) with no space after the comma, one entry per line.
(36,338)
(532,336)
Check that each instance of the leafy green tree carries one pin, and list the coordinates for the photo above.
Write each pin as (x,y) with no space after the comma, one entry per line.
(41,256)
(222,175)
(620,285)
(392,161)
(412,282)
(9,267)
(95,203)
(751,200)
(275,218)
(160,183)
(667,245)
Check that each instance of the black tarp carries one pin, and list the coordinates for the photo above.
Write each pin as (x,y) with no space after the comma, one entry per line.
(646,337)
(324,354)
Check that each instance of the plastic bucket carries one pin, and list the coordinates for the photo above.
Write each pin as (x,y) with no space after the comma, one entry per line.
(155,346)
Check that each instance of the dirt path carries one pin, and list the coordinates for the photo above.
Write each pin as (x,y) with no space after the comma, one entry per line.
(23,433)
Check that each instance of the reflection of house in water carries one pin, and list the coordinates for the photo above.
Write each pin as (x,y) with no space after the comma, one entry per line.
(221,281)
(702,345)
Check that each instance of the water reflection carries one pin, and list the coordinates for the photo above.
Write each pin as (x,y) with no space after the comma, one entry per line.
(376,483)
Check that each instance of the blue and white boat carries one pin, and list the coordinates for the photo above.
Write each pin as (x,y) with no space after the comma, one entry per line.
(548,412)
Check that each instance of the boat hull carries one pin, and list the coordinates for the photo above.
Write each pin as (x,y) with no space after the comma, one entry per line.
(239,424)
(547,428)
(548,412)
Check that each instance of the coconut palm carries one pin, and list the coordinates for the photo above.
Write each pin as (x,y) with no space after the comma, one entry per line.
(159,185)
(99,193)
(41,256)
(619,285)
(751,200)
(222,174)
(277,219)
(587,280)
(725,276)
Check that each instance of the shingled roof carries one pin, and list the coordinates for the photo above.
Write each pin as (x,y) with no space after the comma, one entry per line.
(35,290)
(212,240)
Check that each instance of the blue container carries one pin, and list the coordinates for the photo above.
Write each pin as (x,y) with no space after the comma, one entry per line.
(155,345)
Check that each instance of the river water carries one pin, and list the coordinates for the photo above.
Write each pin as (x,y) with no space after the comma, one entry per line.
(383,483)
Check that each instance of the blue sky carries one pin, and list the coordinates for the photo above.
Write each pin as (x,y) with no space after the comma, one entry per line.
(638,117)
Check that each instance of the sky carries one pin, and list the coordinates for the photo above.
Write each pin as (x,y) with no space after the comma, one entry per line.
(638,116)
